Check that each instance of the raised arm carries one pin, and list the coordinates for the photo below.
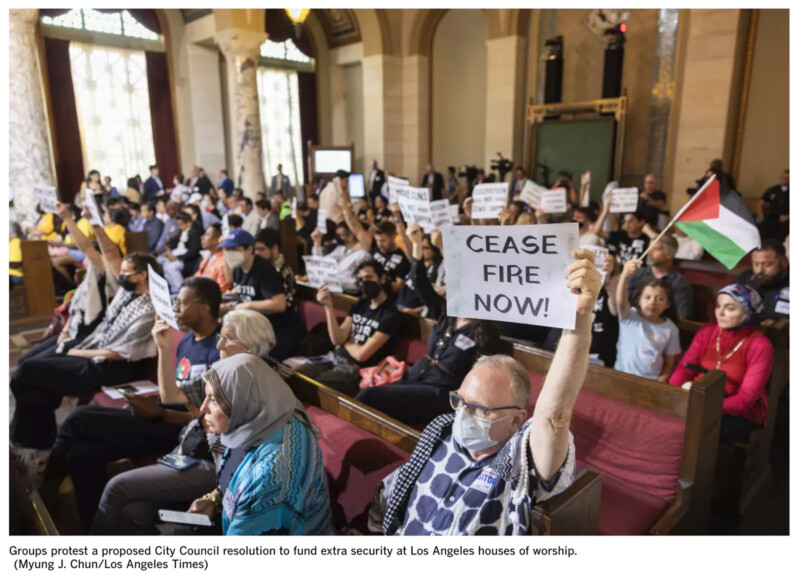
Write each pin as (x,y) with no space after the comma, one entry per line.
(586,180)
(353,224)
(110,251)
(599,225)
(167,385)
(81,241)
(623,303)
(401,229)
(338,333)
(549,439)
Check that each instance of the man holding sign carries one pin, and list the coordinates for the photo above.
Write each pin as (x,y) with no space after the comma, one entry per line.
(481,470)
(348,256)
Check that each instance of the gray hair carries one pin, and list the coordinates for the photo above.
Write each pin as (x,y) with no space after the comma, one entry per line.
(670,243)
(520,382)
(253,330)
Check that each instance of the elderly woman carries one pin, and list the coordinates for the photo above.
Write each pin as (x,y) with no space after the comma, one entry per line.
(734,345)
(130,501)
(272,480)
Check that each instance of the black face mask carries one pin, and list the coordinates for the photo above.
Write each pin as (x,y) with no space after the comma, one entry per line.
(370,289)
(125,282)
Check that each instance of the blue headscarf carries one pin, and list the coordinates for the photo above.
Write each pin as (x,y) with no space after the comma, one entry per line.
(748,299)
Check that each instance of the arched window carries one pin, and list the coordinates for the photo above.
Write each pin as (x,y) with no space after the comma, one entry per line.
(118,23)
(279,107)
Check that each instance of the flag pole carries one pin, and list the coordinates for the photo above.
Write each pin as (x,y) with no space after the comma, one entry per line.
(678,214)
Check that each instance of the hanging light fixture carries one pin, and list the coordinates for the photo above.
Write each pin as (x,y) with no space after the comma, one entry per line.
(298,16)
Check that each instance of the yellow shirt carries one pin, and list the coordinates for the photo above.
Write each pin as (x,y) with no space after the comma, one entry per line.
(45,225)
(15,254)
(116,233)
(84,227)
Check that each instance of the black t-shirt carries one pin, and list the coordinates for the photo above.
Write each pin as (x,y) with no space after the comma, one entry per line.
(366,321)
(451,354)
(408,297)
(394,262)
(778,200)
(621,245)
(776,296)
(262,282)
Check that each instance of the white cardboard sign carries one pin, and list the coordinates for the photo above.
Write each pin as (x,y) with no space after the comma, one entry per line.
(46,195)
(395,185)
(511,274)
(489,199)
(159,295)
(294,207)
(532,194)
(624,200)
(322,220)
(440,213)
(416,207)
(554,201)
(600,254)
(323,271)
(91,203)
(454,216)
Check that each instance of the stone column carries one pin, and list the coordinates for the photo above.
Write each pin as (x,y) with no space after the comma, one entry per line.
(241,50)
(505,93)
(29,157)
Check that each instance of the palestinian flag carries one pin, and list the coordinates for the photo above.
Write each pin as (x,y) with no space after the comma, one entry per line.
(720,221)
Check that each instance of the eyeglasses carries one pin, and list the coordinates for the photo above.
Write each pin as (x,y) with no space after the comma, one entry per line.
(476,410)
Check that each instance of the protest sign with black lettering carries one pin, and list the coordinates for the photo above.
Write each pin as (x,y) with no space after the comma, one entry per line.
(415,206)
(322,220)
(511,274)
(488,200)
(46,195)
(323,271)
(94,209)
(454,216)
(532,194)
(624,200)
(600,254)
(394,185)
(554,201)
(159,295)
(440,213)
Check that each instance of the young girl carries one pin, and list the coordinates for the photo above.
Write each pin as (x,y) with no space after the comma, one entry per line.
(648,343)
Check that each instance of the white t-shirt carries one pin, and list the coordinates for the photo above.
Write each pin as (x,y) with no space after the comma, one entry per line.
(642,345)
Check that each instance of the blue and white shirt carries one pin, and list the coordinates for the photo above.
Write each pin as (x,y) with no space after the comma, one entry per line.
(456,495)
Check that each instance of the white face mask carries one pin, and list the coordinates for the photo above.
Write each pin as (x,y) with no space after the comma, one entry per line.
(473,433)
(234,259)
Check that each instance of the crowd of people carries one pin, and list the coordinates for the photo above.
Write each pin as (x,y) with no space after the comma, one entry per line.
(235,443)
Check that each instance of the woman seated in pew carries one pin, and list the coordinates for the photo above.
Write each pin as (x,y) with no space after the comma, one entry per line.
(407,300)
(272,479)
(734,345)
(423,393)
(648,344)
(363,339)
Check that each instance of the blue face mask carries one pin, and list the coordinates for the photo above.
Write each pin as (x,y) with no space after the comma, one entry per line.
(473,433)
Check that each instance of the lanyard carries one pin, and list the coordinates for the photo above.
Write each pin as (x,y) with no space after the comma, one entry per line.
(722,359)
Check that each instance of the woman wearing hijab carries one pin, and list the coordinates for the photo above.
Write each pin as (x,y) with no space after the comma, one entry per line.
(734,345)
(272,480)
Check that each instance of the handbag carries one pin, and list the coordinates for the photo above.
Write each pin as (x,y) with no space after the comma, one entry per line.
(386,372)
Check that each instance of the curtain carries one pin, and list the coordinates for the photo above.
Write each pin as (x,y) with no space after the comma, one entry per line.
(163,124)
(279,27)
(307,84)
(279,109)
(66,131)
(113,107)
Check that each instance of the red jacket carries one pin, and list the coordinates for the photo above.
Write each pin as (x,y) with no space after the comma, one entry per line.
(747,370)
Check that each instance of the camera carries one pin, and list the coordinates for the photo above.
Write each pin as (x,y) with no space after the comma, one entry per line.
(502,166)
(469,172)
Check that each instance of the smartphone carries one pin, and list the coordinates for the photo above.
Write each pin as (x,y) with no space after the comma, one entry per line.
(182,518)
(178,461)
(127,388)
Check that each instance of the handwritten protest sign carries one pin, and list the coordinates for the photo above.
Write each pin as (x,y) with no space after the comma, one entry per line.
(159,295)
(415,206)
(488,200)
(440,213)
(554,201)
(624,200)
(294,207)
(532,194)
(94,209)
(322,220)
(395,185)
(323,271)
(46,195)
(454,216)
(511,274)
(600,254)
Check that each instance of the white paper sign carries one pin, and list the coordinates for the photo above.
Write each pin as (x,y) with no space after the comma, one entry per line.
(159,295)
(440,213)
(489,199)
(323,271)
(624,200)
(532,194)
(554,201)
(416,207)
(511,274)
(395,185)
(600,254)
(46,195)
(454,215)
(294,207)
(91,203)
(322,220)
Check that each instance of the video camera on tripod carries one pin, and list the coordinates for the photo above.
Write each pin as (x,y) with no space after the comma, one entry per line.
(502,166)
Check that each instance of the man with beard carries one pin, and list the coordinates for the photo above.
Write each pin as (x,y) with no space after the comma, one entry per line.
(770,277)
(660,265)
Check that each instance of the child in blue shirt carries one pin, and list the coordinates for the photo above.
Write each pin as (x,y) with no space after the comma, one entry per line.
(648,344)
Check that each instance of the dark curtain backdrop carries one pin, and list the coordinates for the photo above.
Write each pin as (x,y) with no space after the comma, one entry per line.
(280,27)
(69,166)
(67,137)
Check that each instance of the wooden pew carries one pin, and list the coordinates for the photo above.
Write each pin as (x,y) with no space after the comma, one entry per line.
(40,292)
(136,241)
(573,512)
(289,243)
